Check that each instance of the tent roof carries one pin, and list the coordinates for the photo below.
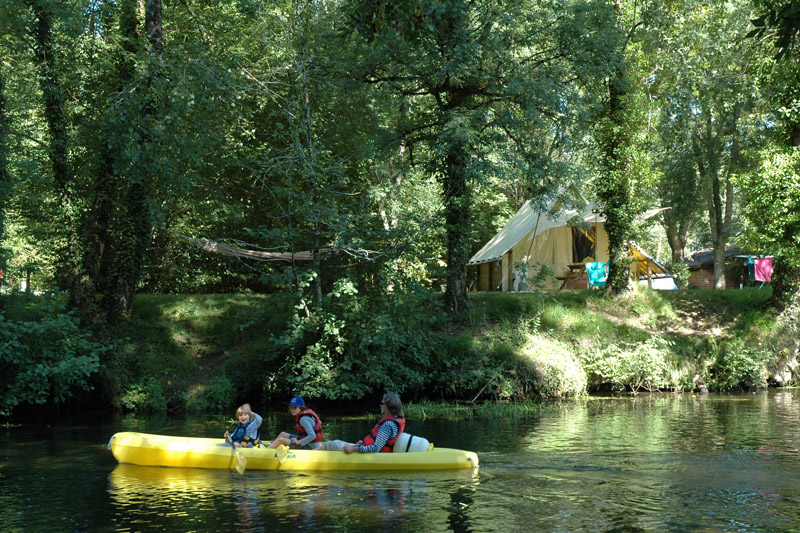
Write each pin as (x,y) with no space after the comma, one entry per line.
(643,257)
(528,218)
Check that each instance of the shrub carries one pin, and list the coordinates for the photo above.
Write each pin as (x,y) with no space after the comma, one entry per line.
(354,348)
(680,271)
(217,395)
(630,366)
(44,357)
(557,372)
(146,396)
(736,366)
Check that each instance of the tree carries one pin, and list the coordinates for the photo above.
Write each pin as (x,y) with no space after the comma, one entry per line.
(58,149)
(136,222)
(710,112)
(619,136)
(779,21)
(5,181)
(772,200)
(45,356)
(677,190)
(97,236)
(772,206)
(477,78)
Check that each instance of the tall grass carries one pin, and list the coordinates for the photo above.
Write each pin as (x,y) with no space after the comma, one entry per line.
(462,411)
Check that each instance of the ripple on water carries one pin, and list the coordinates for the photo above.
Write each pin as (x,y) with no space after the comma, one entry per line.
(664,463)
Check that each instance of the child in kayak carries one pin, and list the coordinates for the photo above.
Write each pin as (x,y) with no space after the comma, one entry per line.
(246,432)
(308,424)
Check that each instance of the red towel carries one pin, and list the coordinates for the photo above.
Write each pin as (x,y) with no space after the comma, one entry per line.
(763,268)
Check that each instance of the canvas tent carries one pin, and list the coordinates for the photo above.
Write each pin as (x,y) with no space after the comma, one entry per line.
(536,237)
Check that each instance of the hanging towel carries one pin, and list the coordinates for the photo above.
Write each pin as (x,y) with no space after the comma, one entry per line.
(597,271)
(762,267)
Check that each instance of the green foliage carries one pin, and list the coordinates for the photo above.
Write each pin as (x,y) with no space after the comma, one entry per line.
(513,347)
(217,395)
(352,349)
(173,339)
(772,207)
(680,271)
(628,366)
(782,17)
(461,366)
(377,132)
(483,93)
(557,370)
(45,355)
(146,396)
(736,366)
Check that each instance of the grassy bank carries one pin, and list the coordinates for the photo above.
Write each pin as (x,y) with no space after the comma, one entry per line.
(210,352)
(207,352)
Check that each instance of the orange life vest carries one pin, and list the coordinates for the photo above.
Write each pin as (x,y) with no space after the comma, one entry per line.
(301,431)
(370,439)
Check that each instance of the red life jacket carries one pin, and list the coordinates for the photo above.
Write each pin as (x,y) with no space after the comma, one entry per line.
(370,439)
(301,431)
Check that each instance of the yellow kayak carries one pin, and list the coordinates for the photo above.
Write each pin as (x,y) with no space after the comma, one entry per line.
(162,450)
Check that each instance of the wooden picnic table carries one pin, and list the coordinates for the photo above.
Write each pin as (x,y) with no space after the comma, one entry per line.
(574,272)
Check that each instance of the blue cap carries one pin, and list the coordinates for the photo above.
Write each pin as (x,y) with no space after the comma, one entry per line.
(297,401)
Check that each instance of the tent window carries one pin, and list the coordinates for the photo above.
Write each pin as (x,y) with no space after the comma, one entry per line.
(582,246)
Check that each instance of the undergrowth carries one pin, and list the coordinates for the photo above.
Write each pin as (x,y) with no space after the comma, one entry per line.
(508,350)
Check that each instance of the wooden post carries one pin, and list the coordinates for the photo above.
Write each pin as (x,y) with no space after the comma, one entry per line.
(510,271)
(649,275)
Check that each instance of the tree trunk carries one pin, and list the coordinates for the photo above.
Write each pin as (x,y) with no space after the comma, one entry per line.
(129,259)
(707,146)
(71,273)
(97,233)
(677,242)
(135,225)
(794,135)
(458,202)
(614,191)
(5,182)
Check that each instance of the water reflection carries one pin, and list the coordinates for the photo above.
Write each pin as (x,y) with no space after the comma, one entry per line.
(188,498)
(649,463)
(657,462)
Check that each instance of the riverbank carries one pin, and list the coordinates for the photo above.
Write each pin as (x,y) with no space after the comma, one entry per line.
(198,352)
(208,352)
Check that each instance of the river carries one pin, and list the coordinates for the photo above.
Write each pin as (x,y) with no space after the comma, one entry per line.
(644,463)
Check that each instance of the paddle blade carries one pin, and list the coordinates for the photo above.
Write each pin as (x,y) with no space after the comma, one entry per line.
(241,462)
(281,452)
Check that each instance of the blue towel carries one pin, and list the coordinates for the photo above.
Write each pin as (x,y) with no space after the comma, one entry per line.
(597,272)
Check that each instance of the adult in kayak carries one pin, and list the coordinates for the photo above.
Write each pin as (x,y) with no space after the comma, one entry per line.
(308,424)
(246,432)
(383,434)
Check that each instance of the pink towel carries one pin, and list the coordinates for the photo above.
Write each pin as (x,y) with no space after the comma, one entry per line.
(763,268)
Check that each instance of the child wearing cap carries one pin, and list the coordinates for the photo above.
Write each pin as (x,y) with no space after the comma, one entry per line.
(308,424)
